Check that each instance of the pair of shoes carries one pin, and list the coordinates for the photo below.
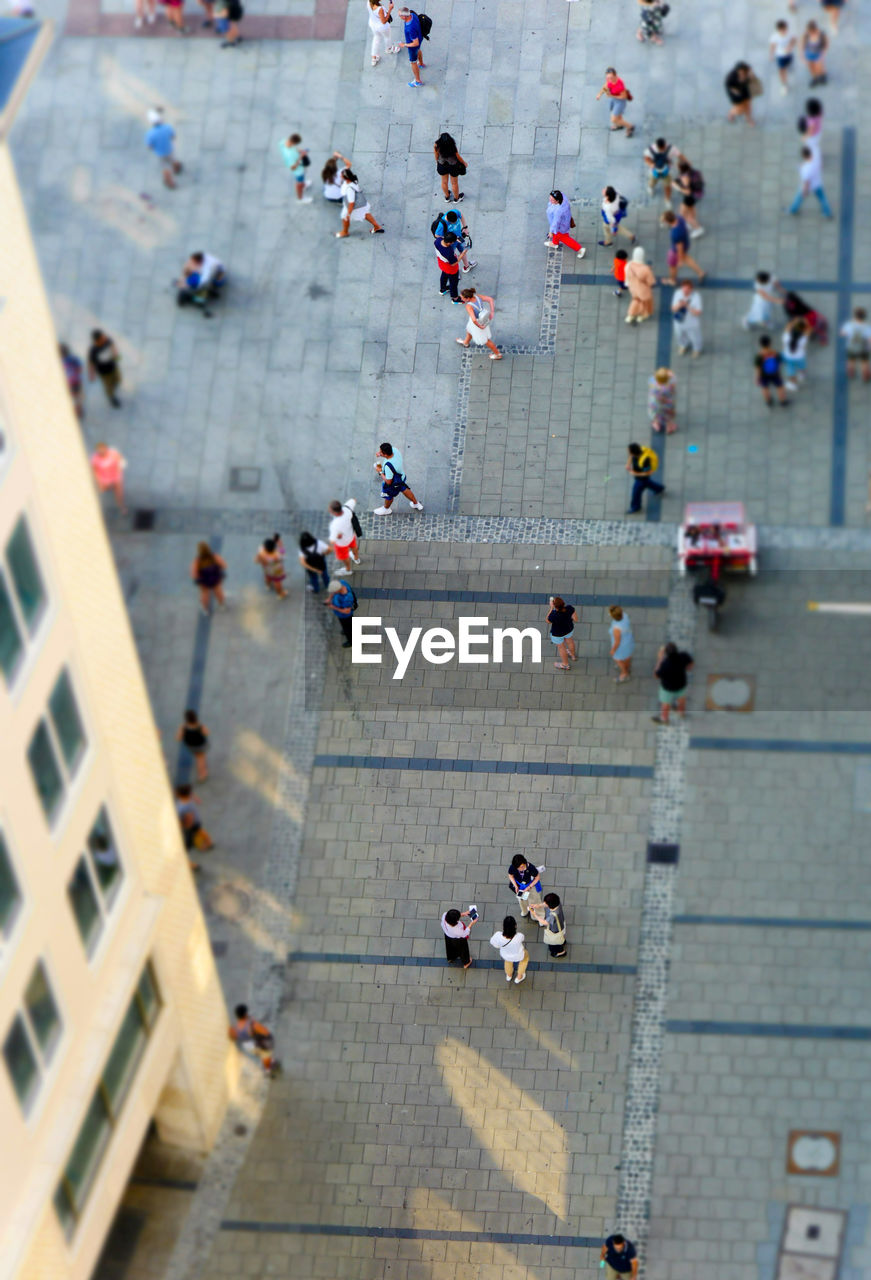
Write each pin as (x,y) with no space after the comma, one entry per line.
(582,253)
(116,403)
(443,292)
(309,587)
(415,84)
(559,954)
(606,244)
(305,200)
(508,977)
(377,231)
(494,356)
(658,720)
(522,978)
(696,232)
(618,293)
(460,341)
(633,511)
(418,506)
(383,511)
(631,320)
(549,244)
(375,59)
(456,301)
(783,403)
(470,267)
(461,195)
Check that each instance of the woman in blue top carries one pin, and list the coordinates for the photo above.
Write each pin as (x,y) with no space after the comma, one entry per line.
(622,642)
(296,159)
(525,881)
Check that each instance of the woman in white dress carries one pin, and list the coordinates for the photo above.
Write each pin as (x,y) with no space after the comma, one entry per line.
(481,311)
(379,25)
(355,206)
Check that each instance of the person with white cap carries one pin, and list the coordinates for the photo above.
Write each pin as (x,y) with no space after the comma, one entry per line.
(160,139)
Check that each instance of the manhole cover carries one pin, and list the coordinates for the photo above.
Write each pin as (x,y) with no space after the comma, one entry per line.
(730,693)
(229,902)
(245,479)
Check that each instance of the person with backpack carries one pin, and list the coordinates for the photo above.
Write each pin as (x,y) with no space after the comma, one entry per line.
(450,166)
(659,158)
(447,258)
(614,208)
(343,532)
(343,602)
(768,363)
(389,465)
(641,464)
(355,207)
(452,221)
(414,37)
(254,1037)
(691,185)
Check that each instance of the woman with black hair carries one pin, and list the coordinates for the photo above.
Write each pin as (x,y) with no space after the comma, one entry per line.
(450,165)
(511,946)
(525,883)
(456,933)
(313,558)
(355,206)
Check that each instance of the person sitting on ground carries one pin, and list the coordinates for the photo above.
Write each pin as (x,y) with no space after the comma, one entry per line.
(202,279)
(254,1037)
(331,177)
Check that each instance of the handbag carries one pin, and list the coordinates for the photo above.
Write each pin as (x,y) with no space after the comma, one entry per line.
(306,161)
(571,223)
(755,85)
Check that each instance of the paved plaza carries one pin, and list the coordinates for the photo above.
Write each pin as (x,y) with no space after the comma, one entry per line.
(714,998)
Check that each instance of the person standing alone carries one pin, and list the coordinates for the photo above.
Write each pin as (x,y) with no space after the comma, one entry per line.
(641,464)
(103,359)
(560,221)
(389,466)
(413,43)
(450,166)
(160,139)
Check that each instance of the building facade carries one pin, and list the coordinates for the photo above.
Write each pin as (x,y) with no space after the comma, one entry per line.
(111,1012)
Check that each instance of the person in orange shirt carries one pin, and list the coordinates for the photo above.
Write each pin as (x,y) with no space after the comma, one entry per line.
(108,468)
(620,260)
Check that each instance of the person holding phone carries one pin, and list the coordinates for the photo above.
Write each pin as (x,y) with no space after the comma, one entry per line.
(525,883)
(457,935)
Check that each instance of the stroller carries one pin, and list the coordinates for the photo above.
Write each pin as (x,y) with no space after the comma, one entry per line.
(796,307)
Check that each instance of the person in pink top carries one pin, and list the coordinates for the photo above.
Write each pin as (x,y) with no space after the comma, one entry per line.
(618,96)
(108,468)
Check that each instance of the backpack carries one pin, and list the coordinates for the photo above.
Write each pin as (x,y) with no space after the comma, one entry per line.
(355,523)
(351,592)
(262,1036)
(646,455)
(771,363)
(425,24)
(660,159)
(622,203)
(697,184)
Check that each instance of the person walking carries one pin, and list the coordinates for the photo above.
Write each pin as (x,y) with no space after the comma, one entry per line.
(313,558)
(296,158)
(622,642)
(780,50)
(660,157)
(175,16)
(229,14)
(618,95)
(525,882)
(661,398)
(620,1258)
(550,915)
(379,25)
(672,665)
(74,374)
(810,125)
(447,258)
(561,619)
(810,179)
(195,736)
(251,1036)
(108,467)
(641,464)
(857,332)
(194,834)
(686,311)
(613,212)
(343,533)
(208,570)
(560,222)
(641,280)
(833,13)
(767,293)
(814,45)
(739,92)
(621,261)
(691,186)
(391,469)
(794,346)
(450,166)
(160,139)
(103,361)
(146,10)
(679,247)
(511,946)
(270,557)
(768,364)
(651,19)
(413,43)
(457,936)
(355,206)
(342,600)
(481,311)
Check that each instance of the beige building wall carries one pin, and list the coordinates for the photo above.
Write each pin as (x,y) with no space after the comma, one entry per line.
(188,1068)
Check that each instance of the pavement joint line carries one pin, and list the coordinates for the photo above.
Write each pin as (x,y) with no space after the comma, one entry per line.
(773,922)
(795,746)
(435,764)
(184,759)
(435,962)
(439,595)
(165,1184)
(841,398)
(411,1233)
(774,1030)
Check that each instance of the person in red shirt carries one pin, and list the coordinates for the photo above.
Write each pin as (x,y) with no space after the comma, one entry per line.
(620,259)
(108,467)
(618,96)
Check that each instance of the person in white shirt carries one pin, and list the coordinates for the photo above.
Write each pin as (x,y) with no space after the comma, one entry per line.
(780,50)
(379,25)
(613,212)
(355,206)
(511,946)
(794,349)
(456,933)
(858,334)
(341,538)
(810,177)
(686,310)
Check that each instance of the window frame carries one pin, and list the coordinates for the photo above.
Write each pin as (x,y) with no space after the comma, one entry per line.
(107,900)
(7,931)
(70,774)
(46,1061)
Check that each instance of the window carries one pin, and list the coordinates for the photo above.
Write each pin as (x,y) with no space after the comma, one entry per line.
(11,643)
(25,575)
(95,881)
(57,746)
(32,1039)
(102,1115)
(10,894)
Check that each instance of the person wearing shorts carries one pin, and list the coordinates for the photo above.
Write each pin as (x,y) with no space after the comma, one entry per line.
(768,375)
(858,335)
(561,619)
(450,166)
(160,139)
(414,44)
(391,469)
(341,539)
(833,12)
(679,245)
(780,50)
(672,665)
(618,96)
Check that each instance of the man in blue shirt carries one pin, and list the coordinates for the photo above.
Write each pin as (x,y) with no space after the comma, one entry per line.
(453,220)
(620,1257)
(447,255)
(414,44)
(159,139)
(679,247)
(391,469)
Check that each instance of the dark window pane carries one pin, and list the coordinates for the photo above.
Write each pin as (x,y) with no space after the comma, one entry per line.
(65,718)
(42,1010)
(11,645)
(64,1210)
(149,995)
(21,1063)
(25,575)
(91,1143)
(45,770)
(10,895)
(83,901)
(104,854)
(126,1052)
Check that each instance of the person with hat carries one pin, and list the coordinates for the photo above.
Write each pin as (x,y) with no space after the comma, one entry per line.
(160,139)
